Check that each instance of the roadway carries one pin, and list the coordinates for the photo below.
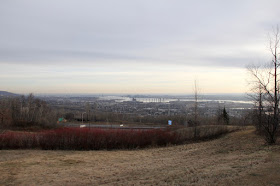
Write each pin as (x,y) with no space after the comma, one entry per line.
(114,126)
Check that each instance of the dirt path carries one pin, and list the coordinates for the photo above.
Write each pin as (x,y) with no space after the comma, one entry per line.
(239,158)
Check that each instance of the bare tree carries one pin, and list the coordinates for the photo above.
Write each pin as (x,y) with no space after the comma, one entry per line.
(195,109)
(88,111)
(26,111)
(265,84)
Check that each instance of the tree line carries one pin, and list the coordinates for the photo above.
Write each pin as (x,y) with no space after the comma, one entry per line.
(25,111)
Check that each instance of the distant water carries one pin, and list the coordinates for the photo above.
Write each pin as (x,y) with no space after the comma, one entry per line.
(165,99)
(221,98)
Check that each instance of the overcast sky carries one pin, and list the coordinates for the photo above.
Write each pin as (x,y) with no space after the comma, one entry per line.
(132,46)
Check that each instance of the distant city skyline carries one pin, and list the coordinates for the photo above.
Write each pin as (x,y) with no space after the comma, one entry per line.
(131,47)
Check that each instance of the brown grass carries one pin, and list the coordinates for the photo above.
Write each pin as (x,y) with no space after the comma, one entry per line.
(239,158)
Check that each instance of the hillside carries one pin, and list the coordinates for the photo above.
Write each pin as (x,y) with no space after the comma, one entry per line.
(7,94)
(239,158)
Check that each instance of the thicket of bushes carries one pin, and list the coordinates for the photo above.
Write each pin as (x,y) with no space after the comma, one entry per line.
(204,132)
(96,139)
(86,139)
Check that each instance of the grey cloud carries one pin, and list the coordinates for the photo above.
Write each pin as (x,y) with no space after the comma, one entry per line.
(51,31)
(67,57)
(35,56)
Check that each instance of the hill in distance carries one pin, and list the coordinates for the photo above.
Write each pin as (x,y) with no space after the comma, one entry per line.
(7,94)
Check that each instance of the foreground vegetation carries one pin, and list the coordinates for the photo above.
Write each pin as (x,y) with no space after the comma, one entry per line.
(96,139)
(238,158)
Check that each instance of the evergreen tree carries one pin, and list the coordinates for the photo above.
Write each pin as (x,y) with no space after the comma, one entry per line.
(225,116)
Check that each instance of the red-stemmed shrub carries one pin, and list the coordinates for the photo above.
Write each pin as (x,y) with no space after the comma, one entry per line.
(96,139)
(19,140)
(87,139)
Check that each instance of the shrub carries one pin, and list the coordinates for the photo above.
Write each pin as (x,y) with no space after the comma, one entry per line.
(96,139)
(18,140)
(86,139)
(203,132)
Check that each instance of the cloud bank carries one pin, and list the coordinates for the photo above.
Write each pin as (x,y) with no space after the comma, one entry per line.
(131,36)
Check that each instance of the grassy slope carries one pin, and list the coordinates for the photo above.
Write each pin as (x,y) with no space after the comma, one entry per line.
(239,158)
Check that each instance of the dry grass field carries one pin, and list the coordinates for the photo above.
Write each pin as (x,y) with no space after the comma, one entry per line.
(238,158)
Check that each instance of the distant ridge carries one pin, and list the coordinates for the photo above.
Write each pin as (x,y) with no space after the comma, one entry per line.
(7,94)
